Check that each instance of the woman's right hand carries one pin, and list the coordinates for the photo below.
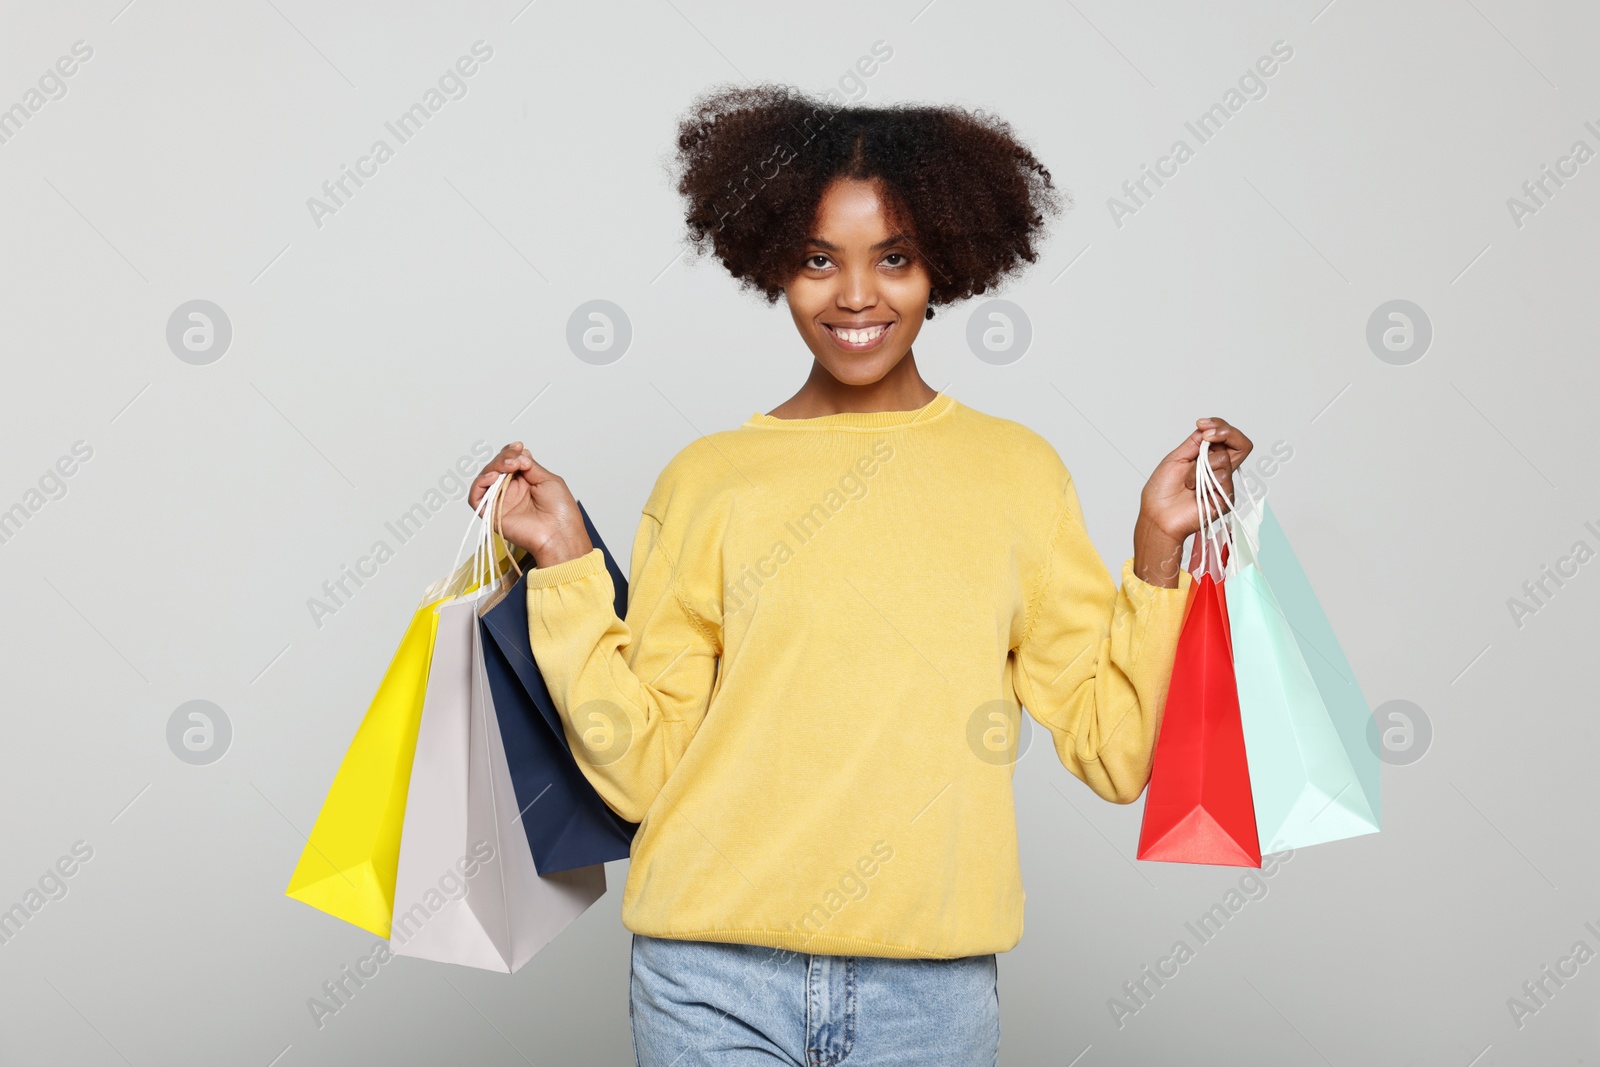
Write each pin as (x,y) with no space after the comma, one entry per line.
(537,510)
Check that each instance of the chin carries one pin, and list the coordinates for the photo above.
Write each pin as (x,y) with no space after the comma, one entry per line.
(864,372)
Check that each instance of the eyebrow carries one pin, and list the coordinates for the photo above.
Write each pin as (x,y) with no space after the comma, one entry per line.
(892,239)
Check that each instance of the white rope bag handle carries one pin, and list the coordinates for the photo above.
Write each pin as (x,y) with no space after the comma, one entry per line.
(1236,524)
(484,557)
(1208,490)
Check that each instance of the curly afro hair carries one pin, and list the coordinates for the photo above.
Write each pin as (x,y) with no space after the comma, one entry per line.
(753,161)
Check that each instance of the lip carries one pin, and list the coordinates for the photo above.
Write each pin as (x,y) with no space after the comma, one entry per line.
(850,346)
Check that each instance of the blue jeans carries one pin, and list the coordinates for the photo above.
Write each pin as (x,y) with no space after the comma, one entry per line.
(707,1004)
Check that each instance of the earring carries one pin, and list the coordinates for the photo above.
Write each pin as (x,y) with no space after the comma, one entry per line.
(929,313)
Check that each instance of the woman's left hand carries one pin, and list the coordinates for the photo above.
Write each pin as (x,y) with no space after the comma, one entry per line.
(1167,509)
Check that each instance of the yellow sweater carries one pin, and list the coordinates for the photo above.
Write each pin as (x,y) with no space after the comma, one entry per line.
(812,706)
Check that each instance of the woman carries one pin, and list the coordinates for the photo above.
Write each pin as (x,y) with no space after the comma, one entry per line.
(837,608)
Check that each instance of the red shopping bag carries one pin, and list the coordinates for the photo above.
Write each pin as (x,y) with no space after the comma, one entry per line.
(1199,808)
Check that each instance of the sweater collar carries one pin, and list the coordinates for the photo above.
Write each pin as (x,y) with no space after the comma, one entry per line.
(860,420)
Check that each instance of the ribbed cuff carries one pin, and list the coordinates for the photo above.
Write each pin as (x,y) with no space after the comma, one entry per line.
(1141,592)
(579,567)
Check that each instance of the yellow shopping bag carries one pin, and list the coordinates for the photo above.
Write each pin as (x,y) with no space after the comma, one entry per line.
(348,866)
(350,861)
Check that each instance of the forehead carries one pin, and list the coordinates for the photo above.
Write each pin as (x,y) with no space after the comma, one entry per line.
(853,210)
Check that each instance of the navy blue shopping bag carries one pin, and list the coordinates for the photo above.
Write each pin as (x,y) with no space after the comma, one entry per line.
(567,823)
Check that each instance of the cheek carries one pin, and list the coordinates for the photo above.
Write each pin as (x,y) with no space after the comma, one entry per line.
(910,329)
(910,293)
(807,298)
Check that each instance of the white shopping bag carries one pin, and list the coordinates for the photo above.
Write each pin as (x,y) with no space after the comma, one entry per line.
(467,891)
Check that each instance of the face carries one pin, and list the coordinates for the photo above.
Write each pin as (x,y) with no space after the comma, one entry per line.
(860,292)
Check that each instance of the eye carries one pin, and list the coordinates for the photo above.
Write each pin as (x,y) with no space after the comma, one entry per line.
(905,260)
(817,261)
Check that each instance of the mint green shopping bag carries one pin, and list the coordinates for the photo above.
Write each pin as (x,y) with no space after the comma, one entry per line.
(1313,775)
(1346,707)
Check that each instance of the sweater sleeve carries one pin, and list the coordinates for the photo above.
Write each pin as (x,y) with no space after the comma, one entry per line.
(1094,661)
(630,693)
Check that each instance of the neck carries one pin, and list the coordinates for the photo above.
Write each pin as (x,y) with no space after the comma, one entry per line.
(901,389)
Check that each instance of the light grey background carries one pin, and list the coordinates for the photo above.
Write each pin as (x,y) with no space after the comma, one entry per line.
(369,353)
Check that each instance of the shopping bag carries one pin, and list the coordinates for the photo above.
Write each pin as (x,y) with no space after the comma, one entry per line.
(467,891)
(566,822)
(348,865)
(351,857)
(1312,773)
(1198,808)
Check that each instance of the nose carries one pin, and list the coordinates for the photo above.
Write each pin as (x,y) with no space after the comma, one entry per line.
(858,289)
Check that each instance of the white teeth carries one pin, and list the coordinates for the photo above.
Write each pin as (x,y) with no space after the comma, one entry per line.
(861,337)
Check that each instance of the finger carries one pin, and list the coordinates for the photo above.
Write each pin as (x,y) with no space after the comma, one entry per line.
(495,466)
(528,471)
(1221,432)
(480,485)
(488,475)
(510,458)
(1187,452)
(507,461)
(534,471)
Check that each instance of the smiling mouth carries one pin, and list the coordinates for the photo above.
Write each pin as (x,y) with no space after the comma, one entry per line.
(861,340)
